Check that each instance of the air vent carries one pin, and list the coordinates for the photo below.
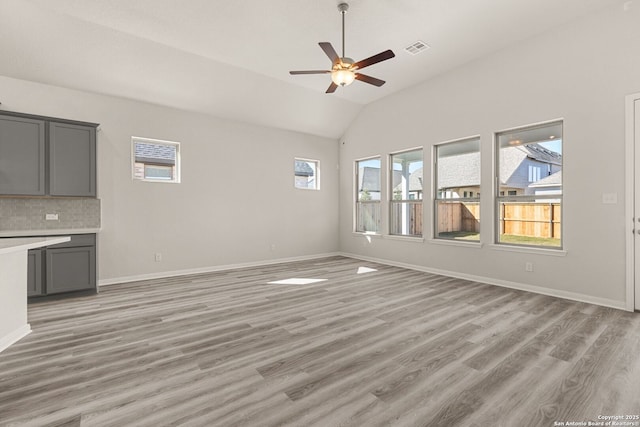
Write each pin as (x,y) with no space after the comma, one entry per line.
(417,47)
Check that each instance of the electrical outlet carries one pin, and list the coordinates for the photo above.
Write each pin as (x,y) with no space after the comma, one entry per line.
(158,257)
(51,217)
(273,246)
(528,266)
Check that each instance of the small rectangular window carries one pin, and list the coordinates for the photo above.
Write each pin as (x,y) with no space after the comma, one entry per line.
(306,174)
(406,193)
(155,160)
(367,180)
(531,213)
(457,180)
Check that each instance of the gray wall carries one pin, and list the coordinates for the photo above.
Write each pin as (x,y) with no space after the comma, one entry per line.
(236,204)
(581,73)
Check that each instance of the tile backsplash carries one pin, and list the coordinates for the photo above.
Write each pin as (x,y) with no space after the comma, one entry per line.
(19,214)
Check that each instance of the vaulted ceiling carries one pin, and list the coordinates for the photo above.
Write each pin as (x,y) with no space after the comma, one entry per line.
(231,58)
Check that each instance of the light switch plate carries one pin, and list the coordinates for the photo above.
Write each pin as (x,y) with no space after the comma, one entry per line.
(51,217)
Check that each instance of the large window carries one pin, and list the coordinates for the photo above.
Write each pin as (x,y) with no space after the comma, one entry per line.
(306,174)
(405,217)
(367,218)
(457,190)
(529,186)
(155,160)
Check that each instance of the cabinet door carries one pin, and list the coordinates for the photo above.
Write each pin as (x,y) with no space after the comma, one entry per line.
(34,273)
(70,269)
(22,156)
(72,160)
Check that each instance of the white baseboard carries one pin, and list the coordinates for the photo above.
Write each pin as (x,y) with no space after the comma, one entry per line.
(14,337)
(166,274)
(497,282)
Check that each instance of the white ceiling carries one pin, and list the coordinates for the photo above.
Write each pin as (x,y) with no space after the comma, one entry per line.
(231,58)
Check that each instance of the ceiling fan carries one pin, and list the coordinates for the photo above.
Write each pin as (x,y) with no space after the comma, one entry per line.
(344,70)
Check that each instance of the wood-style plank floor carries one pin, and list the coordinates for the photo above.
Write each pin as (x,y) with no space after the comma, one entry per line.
(388,347)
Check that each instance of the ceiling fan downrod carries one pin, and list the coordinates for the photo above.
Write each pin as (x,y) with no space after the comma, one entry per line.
(342,8)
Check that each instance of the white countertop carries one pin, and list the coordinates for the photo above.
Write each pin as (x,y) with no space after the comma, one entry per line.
(26,243)
(49,232)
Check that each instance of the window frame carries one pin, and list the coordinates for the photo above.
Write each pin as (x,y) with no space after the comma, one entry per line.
(531,198)
(177,164)
(471,199)
(356,198)
(316,187)
(409,201)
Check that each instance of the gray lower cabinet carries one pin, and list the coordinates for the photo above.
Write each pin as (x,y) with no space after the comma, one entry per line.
(34,275)
(66,267)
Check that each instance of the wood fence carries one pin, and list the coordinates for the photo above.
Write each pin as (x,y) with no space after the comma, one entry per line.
(458,216)
(531,219)
(520,219)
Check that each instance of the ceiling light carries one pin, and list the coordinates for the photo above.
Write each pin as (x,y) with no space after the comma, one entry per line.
(343,77)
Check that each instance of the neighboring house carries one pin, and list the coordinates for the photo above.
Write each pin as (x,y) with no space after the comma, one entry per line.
(459,176)
(304,175)
(157,161)
(369,183)
(551,184)
(524,165)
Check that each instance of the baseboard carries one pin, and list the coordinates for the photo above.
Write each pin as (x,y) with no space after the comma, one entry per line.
(620,305)
(211,269)
(14,337)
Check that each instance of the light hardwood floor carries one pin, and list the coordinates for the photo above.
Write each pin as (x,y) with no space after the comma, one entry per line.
(390,347)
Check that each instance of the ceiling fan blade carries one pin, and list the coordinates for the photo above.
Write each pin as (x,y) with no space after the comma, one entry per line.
(382,56)
(369,79)
(330,51)
(309,72)
(332,88)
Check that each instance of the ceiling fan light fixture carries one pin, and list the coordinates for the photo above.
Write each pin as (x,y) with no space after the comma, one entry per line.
(343,77)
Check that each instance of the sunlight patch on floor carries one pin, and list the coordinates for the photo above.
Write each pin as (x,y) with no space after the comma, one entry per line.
(296,281)
(362,270)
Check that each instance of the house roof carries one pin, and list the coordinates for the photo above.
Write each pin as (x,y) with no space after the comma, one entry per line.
(155,153)
(552,180)
(459,171)
(303,169)
(538,152)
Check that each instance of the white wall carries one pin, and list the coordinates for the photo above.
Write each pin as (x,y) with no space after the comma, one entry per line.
(235,201)
(580,73)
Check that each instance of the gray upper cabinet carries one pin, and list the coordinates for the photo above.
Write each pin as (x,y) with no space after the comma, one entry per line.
(44,156)
(72,160)
(22,156)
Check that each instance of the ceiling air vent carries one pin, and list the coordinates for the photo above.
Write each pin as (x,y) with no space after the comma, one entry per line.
(417,47)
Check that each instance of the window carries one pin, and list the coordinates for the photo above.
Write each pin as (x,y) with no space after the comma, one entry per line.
(155,160)
(406,193)
(531,213)
(457,181)
(367,215)
(306,174)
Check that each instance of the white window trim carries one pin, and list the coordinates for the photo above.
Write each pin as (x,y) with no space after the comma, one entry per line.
(434,196)
(390,202)
(510,247)
(135,139)
(354,197)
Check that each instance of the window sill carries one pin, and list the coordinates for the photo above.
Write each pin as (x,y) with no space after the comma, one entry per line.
(459,243)
(404,238)
(366,234)
(528,250)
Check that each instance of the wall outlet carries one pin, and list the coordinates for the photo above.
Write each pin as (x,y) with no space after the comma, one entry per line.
(273,246)
(51,217)
(158,257)
(528,266)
